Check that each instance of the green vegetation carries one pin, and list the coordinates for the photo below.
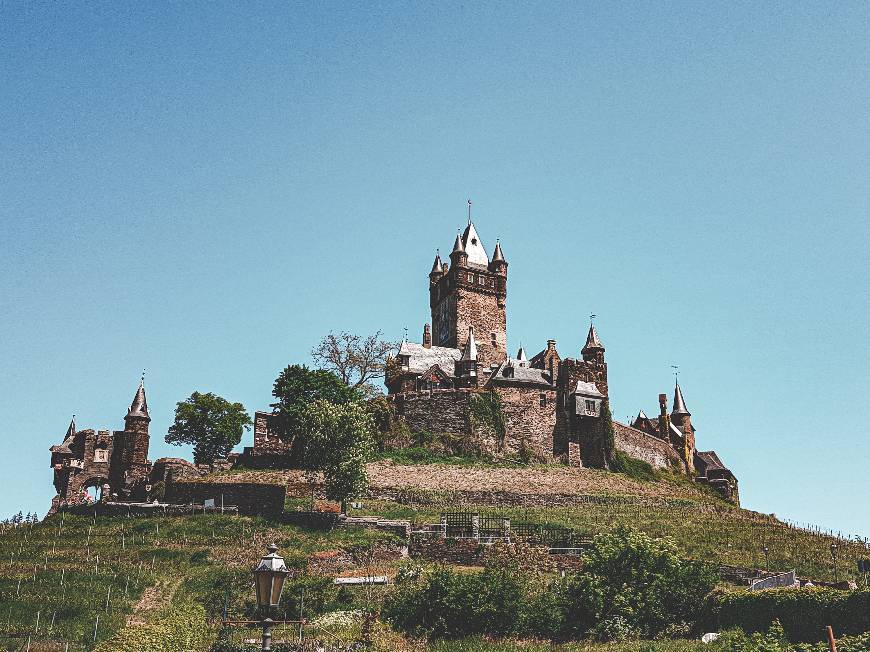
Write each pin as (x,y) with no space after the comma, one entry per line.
(79,574)
(338,444)
(487,411)
(633,467)
(803,614)
(705,530)
(210,423)
(631,586)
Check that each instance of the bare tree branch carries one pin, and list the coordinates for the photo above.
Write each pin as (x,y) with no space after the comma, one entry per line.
(354,359)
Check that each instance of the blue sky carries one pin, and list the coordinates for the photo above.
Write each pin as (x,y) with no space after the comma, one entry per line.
(203,190)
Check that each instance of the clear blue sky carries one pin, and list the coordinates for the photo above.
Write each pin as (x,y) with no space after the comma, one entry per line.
(203,190)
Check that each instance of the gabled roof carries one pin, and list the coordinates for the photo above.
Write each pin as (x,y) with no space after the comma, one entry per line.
(139,406)
(421,359)
(679,403)
(592,340)
(473,246)
(711,460)
(436,373)
(587,389)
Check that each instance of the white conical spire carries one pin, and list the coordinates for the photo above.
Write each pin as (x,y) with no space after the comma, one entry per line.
(473,246)
(521,355)
(470,350)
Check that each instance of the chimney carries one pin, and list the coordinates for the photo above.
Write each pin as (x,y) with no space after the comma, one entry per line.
(551,344)
(427,336)
(664,419)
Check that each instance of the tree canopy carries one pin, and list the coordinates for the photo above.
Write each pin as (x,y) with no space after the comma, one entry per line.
(356,360)
(210,423)
(338,443)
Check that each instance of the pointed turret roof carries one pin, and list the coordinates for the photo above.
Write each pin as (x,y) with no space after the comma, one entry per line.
(139,406)
(679,403)
(469,352)
(498,255)
(592,339)
(436,266)
(521,355)
(473,246)
(71,431)
(458,248)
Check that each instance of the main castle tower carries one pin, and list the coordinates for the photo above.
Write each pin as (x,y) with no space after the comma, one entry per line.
(470,292)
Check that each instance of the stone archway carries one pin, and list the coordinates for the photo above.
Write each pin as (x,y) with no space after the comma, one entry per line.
(92,487)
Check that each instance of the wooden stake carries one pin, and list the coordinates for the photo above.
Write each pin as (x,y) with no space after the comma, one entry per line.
(832,643)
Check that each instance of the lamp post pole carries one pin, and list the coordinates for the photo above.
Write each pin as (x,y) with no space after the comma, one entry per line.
(267,635)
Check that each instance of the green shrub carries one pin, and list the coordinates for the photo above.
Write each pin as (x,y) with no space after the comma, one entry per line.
(634,585)
(633,467)
(804,613)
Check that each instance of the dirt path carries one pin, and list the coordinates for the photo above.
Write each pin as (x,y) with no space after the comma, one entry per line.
(152,600)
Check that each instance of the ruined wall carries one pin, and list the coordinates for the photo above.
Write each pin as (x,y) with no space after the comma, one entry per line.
(652,450)
(529,426)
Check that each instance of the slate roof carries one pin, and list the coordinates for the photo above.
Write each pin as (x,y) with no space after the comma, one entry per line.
(421,359)
(592,339)
(679,403)
(139,407)
(522,375)
(587,389)
(711,460)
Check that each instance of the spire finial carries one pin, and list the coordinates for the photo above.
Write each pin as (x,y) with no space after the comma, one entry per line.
(676,369)
(592,317)
(142,379)
(469,211)
(406,334)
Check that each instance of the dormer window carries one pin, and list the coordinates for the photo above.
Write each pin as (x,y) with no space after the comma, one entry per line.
(508,372)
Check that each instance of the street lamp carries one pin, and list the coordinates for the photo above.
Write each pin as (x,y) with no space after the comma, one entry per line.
(269,576)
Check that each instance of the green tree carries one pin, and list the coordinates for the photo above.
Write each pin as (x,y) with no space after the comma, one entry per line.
(356,360)
(633,585)
(295,389)
(210,423)
(338,443)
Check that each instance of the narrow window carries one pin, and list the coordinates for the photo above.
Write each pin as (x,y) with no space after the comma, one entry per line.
(481,280)
(471,278)
(542,399)
(590,407)
(492,339)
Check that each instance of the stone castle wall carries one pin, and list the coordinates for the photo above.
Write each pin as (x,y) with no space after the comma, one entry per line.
(652,450)
(529,426)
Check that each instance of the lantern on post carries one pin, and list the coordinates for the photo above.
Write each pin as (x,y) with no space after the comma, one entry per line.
(269,576)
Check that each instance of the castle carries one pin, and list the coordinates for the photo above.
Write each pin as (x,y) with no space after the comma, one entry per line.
(551,407)
(459,386)
(114,463)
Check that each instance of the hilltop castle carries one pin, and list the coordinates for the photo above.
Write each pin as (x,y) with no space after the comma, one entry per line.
(551,407)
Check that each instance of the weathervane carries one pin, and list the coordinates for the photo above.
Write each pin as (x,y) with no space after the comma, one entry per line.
(592,317)
(676,369)
(406,333)
(142,379)
(469,211)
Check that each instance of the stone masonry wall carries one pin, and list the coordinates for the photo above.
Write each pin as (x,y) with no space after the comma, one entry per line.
(438,411)
(475,308)
(648,448)
(260,499)
(527,423)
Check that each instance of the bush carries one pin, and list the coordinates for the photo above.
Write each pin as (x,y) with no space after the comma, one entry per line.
(640,580)
(804,613)
(633,467)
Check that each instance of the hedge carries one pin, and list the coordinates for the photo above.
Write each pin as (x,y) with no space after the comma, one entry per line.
(184,628)
(804,613)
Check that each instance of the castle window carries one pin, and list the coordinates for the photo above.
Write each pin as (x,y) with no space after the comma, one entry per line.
(492,339)
(471,278)
(481,280)
(590,407)
(542,399)
(101,455)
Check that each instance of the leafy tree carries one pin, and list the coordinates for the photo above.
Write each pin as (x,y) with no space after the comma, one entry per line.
(633,585)
(210,423)
(338,443)
(295,389)
(355,359)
